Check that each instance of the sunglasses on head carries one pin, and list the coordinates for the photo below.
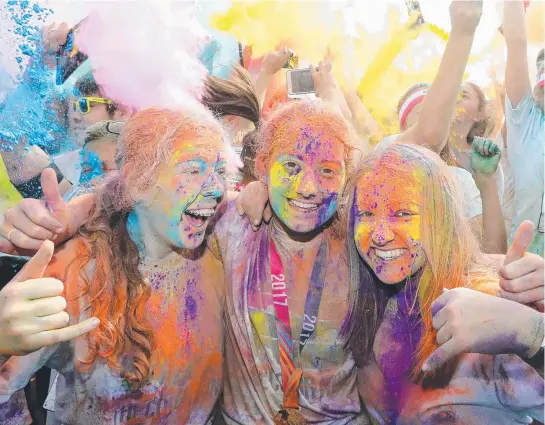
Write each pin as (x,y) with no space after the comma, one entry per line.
(83,104)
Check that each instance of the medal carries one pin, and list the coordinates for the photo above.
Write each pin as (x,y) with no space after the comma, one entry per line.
(290,413)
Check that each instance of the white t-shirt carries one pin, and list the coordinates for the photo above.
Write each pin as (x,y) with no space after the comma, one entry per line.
(69,163)
(526,153)
(509,189)
(472,202)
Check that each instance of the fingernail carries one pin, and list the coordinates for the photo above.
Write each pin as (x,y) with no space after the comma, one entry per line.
(256,222)
(425,367)
(59,230)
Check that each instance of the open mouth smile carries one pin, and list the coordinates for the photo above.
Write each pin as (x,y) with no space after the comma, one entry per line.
(198,217)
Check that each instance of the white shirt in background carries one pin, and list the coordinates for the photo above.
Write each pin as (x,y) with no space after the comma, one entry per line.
(526,153)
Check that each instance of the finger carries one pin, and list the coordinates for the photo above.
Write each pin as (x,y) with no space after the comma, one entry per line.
(526,297)
(321,67)
(7,247)
(443,335)
(439,319)
(52,194)
(521,267)
(486,148)
(522,284)
(267,214)
(36,266)
(63,33)
(20,240)
(43,339)
(32,230)
(54,321)
(440,302)
(522,239)
(47,306)
(440,356)
(313,70)
(40,215)
(42,288)
(540,306)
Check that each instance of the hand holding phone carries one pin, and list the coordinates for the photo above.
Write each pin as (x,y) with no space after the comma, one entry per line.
(300,83)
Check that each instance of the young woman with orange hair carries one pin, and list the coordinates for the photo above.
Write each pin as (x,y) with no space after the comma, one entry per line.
(409,241)
(156,356)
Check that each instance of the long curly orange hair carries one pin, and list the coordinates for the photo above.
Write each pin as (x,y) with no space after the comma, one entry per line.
(115,286)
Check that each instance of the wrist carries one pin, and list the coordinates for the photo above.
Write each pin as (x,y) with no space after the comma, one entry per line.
(486,182)
(463,32)
(533,334)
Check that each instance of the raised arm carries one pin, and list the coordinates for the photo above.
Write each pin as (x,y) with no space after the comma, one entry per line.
(438,108)
(517,79)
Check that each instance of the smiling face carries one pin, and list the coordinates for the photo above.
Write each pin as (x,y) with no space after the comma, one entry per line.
(306,179)
(179,207)
(387,223)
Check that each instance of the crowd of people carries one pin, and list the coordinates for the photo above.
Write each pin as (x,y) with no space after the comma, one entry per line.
(219,263)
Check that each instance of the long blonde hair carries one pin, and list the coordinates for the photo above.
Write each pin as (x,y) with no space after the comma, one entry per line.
(453,255)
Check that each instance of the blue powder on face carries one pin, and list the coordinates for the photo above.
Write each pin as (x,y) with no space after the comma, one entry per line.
(91,166)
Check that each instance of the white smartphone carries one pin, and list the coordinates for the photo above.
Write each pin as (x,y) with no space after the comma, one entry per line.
(300,83)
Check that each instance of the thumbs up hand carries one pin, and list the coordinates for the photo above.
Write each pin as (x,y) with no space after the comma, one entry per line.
(27,225)
(522,274)
(32,309)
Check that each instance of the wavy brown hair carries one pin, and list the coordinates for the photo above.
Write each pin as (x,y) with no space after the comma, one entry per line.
(116,289)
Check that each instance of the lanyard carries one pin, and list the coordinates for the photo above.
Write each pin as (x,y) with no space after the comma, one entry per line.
(286,347)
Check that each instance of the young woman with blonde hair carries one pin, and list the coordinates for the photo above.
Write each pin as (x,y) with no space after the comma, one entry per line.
(409,241)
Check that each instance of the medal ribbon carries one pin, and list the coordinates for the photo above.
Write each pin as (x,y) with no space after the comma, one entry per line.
(286,347)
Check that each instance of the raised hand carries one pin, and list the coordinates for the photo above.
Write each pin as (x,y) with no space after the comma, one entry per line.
(468,321)
(53,37)
(274,61)
(32,312)
(27,225)
(522,275)
(485,156)
(465,16)
(327,88)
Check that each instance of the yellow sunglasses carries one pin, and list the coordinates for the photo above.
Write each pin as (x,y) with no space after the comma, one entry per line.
(83,104)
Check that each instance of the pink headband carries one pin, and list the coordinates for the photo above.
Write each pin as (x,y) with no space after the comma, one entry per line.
(413,100)
(541,79)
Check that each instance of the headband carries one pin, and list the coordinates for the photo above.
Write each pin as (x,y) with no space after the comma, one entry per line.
(413,100)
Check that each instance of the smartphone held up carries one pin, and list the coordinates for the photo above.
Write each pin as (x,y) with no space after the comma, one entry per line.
(300,83)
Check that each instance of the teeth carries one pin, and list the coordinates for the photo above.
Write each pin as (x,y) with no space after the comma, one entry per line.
(304,205)
(205,212)
(389,255)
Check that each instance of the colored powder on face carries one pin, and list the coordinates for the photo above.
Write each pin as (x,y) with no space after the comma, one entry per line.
(91,164)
